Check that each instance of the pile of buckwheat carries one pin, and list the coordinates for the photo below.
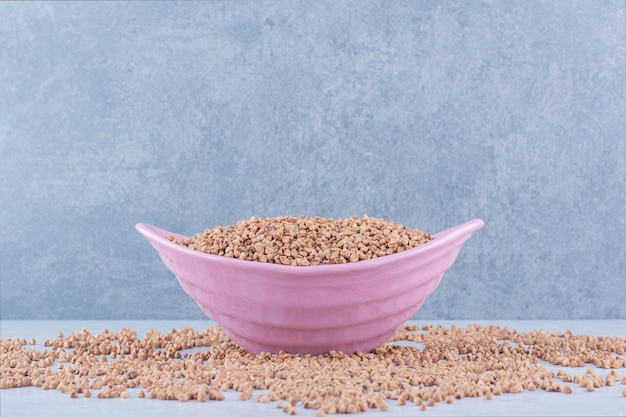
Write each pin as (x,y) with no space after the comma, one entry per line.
(183,365)
(306,240)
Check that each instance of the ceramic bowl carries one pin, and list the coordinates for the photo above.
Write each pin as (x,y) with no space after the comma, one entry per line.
(266,307)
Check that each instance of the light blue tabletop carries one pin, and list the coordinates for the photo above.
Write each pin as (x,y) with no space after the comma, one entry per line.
(33,401)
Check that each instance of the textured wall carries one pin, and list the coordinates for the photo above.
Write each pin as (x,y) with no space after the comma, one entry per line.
(188,115)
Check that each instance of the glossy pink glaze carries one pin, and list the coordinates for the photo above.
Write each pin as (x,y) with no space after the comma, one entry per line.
(351,307)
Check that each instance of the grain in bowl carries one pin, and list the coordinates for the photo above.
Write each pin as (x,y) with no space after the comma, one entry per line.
(305,240)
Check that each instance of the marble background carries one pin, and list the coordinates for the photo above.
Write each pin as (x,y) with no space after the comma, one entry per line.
(188,115)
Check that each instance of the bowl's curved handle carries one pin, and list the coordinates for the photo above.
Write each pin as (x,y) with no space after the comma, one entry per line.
(153,233)
(456,235)
(462,229)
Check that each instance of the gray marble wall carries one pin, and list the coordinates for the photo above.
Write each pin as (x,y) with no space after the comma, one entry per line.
(188,115)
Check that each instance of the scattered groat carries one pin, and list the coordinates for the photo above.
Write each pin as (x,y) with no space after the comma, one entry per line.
(305,241)
(322,413)
(187,365)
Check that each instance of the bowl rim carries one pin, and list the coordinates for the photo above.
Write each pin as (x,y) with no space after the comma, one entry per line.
(157,237)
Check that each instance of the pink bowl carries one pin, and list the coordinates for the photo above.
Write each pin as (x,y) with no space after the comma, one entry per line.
(266,307)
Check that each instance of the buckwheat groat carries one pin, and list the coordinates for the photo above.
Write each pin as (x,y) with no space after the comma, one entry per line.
(185,365)
(306,240)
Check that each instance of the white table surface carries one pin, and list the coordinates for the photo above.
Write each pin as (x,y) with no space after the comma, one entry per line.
(32,401)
